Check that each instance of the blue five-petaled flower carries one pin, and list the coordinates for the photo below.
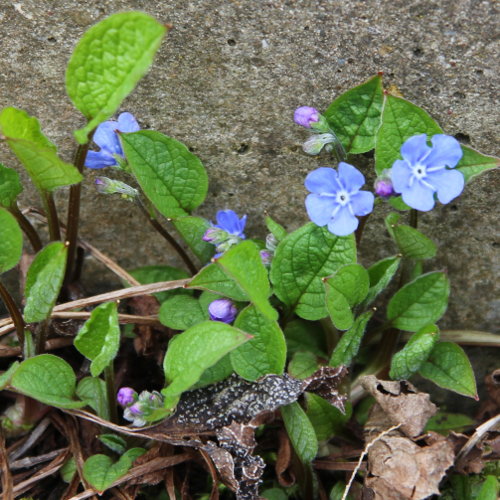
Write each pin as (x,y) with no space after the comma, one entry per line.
(106,138)
(426,170)
(336,198)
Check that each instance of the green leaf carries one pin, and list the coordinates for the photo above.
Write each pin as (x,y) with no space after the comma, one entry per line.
(265,352)
(113,442)
(337,492)
(400,120)
(489,489)
(398,203)
(420,302)
(11,241)
(326,419)
(304,335)
(154,274)
(190,353)
(301,432)
(68,470)
(180,312)
(7,375)
(220,371)
(101,472)
(99,337)
(412,243)
(107,63)
(10,186)
(215,279)
(473,163)
(192,230)
(276,229)
(43,281)
(348,345)
(449,367)
(300,263)
(444,422)
(274,494)
(355,116)
(303,364)
(48,379)
(243,264)
(172,177)
(347,288)
(37,154)
(92,391)
(418,348)
(381,273)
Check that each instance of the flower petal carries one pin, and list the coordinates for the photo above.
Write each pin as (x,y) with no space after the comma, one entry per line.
(106,138)
(229,221)
(415,148)
(400,176)
(446,150)
(99,159)
(320,208)
(127,123)
(350,177)
(419,197)
(343,223)
(362,202)
(448,183)
(322,180)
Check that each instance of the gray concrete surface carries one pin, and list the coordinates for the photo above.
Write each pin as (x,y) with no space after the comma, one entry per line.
(226,82)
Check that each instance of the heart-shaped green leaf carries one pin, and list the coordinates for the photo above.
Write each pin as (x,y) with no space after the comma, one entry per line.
(474,163)
(11,241)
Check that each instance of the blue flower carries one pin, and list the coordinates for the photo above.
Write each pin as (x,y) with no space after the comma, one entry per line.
(227,232)
(425,170)
(222,310)
(107,139)
(126,396)
(336,198)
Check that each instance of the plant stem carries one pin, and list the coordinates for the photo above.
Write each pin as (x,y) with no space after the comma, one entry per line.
(156,224)
(14,312)
(51,213)
(359,232)
(41,336)
(109,377)
(74,210)
(27,227)
(331,334)
(413,218)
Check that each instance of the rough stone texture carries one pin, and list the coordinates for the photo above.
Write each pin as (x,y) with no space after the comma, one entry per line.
(226,82)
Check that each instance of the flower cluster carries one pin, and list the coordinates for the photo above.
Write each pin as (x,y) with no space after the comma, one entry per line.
(227,232)
(137,407)
(424,173)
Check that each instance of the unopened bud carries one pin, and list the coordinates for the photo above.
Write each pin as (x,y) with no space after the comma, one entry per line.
(222,310)
(306,116)
(315,143)
(110,186)
(383,185)
(126,396)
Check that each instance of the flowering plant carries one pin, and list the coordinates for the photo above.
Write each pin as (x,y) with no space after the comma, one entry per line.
(246,327)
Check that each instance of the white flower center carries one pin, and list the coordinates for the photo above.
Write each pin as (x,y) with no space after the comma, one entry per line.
(342,197)
(419,171)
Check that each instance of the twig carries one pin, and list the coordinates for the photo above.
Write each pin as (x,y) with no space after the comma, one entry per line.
(32,439)
(362,456)
(15,313)
(478,435)
(28,462)
(7,481)
(125,293)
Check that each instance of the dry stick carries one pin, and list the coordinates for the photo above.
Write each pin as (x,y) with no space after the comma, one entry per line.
(362,456)
(17,318)
(7,481)
(125,293)
(487,426)
(25,463)
(32,439)
(97,254)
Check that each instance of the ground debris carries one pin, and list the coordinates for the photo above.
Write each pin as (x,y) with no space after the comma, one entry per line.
(402,466)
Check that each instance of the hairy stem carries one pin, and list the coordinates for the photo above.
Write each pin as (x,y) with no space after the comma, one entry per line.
(41,336)
(52,219)
(14,312)
(27,227)
(74,210)
(165,234)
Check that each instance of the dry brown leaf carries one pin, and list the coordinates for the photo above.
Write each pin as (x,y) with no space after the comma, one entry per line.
(472,463)
(401,470)
(401,403)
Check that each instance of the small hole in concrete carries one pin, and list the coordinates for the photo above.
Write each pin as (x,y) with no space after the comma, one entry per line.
(243,149)
(462,138)
(51,39)
(417,51)
(231,42)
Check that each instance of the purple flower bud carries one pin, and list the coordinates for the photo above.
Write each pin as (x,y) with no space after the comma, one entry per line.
(222,310)
(305,116)
(126,396)
(135,409)
(215,235)
(383,184)
(266,257)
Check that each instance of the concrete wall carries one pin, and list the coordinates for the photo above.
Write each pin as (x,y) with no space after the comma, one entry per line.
(226,82)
